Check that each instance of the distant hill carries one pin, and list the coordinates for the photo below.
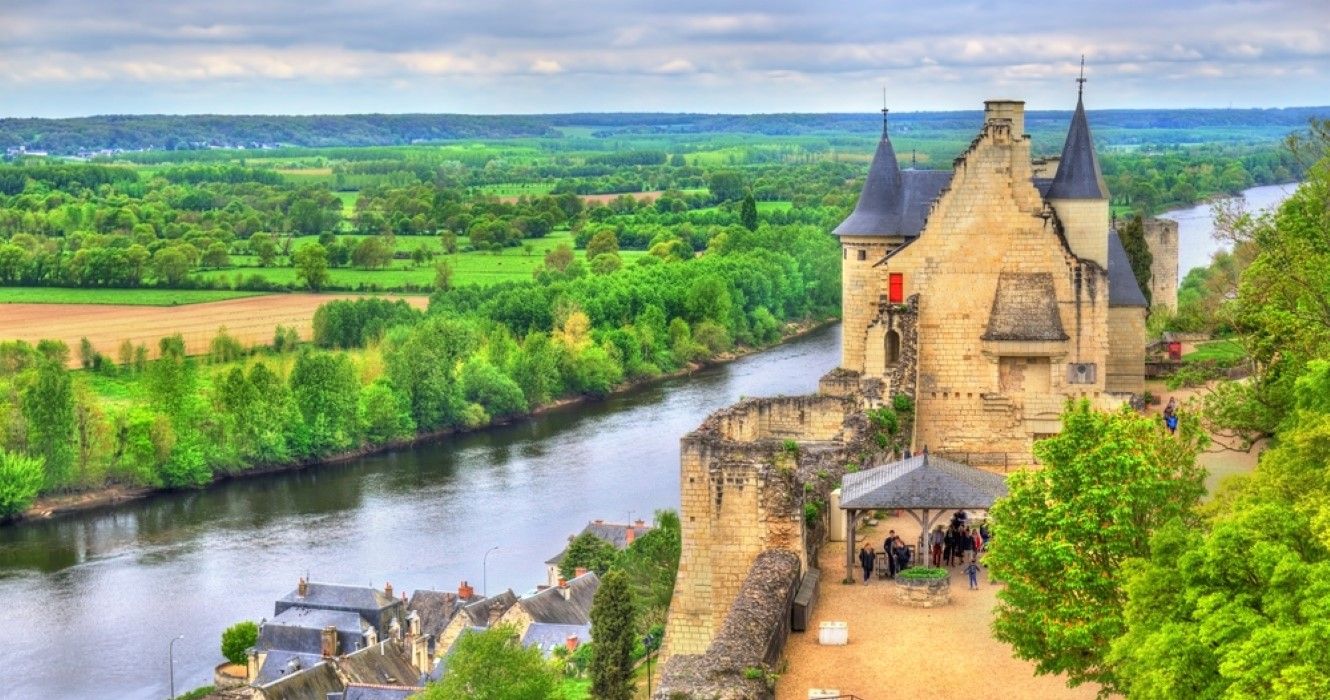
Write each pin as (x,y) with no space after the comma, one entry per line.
(186,132)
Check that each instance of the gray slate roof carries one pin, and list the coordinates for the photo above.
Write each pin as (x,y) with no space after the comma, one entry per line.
(1078,175)
(548,636)
(277,664)
(334,596)
(313,682)
(436,609)
(922,481)
(551,606)
(893,202)
(1123,289)
(1025,307)
(485,610)
(614,533)
(361,691)
(385,663)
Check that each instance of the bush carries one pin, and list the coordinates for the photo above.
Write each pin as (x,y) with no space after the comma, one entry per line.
(21,480)
(923,573)
(237,638)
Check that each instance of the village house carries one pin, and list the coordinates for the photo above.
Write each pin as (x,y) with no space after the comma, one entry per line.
(617,534)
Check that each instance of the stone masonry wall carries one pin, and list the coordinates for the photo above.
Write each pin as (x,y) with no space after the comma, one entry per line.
(861,285)
(1126,329)
(1161,236)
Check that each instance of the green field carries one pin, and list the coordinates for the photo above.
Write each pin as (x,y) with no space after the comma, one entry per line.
(135,297)
(1222,352)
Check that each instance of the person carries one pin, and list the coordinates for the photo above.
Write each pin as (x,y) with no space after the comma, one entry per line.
(889,550)
(978,543)
(866,557)
(985,533)
(967,545)
(1171,415)
(972,572)
(902,555)
(936,540)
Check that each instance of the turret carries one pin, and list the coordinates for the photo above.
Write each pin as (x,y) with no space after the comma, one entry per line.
(1078,193)
(866,235)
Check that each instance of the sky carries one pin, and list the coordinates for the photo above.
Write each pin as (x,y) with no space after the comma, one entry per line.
(82,57)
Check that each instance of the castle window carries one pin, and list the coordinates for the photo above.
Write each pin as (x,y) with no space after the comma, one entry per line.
(863,254)
(896,287)
(893,342)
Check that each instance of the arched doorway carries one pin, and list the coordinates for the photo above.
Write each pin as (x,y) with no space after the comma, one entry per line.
(893,347)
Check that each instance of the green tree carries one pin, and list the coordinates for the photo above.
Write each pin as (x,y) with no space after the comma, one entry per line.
(587,551)
(48,409)
(1132,235)
(264,248)
(604,241)
(443,276)
(726,185)
(236,639)
(21,479)
(384,413)
(492,664)
(614,629)
(1060,538)
(311,261)
(748,213)
(325,387)
(651,564)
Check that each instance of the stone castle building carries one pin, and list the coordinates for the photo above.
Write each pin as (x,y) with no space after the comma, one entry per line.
(991,293)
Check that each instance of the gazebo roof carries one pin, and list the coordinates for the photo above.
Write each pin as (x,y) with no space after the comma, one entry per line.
(922,481)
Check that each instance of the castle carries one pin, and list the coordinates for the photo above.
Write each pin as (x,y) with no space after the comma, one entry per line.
(989,294)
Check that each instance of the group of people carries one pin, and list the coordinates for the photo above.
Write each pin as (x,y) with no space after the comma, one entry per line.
(958,543)
(894,550)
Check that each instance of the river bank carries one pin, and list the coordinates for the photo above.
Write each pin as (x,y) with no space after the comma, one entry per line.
(117,494)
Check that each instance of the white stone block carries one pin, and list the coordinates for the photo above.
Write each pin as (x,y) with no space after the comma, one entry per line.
(823,694)
(833,633)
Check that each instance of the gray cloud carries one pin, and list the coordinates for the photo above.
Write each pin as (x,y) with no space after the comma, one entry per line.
(88,56)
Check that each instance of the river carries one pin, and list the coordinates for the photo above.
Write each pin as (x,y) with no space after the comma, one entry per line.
(1196,242)
(92,600)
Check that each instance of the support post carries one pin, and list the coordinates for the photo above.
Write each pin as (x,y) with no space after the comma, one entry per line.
(850,549)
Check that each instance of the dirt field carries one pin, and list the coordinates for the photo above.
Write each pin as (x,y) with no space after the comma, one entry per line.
(902,652)
(602,198)
(252,320)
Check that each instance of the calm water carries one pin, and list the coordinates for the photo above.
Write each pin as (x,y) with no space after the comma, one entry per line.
(91,601)
(1196,241)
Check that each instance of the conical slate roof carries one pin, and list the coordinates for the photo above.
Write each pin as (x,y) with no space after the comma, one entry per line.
(1078,175)
(892,202)
(1122,287)
(922,481)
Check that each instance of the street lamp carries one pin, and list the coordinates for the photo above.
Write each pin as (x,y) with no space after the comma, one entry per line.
(485,572)
(171,658)
(649,643)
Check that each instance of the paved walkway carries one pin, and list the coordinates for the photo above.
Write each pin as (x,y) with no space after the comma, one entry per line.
(902,652)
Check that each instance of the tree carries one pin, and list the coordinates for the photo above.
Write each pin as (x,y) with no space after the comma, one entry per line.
(614,629)
(1060,537)
(587,551)
(48,409)
(748,213)
(559,258)
(311,262)
(21,480)
(171,265)
(492,664)
(384,413)
(238,638)
(1138,252)
(726,185)
(604,241)
(264,247)
(443,276)
(216,256)
(651,564)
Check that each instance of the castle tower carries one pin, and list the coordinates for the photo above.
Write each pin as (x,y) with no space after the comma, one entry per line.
(866,236)
(1078,193)
(1161,235)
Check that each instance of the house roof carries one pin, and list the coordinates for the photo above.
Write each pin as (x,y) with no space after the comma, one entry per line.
(548,636)
(367,691)
(922,481)
(299,629)
(1078,175)
(614,533)
(1025,307)
(278,664)
(436,609)
(1123,289)
(551,606)
(313,682)
(385,663)
(334,596)
(893,202)
(485,610)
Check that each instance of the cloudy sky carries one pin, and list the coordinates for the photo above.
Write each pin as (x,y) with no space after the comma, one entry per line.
(79,57)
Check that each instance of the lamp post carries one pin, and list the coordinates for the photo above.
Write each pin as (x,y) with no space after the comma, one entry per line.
(171,659)
(649,642)
(485,572)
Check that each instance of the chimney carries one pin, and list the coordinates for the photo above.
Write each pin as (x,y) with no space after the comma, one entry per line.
(1011,110)
(571,642)
(579,572)
(388,590)
(465,591)
(639,523)
(328,642)
(629,534)
(563,588)
(598,521)
(302,588)
(563,582)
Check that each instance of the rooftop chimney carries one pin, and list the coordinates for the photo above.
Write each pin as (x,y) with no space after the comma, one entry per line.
(640,523)
(302,589)
(571,642)
(598,521)
(465,591)
(629,535)
(328,642)
(579,572)
(1011,110)
(388,589)
(563,588)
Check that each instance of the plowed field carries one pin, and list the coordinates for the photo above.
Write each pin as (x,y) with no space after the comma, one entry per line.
(251,320)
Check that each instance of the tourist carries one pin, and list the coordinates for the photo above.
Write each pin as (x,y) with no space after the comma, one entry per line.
(985,533)
(866,558)
(902,555)
(936,539)
(1171,415)
(972,572)
(966,545)
(978,543)
(889,550)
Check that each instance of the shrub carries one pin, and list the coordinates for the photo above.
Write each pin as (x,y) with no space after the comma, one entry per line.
(21,480)
(237,638)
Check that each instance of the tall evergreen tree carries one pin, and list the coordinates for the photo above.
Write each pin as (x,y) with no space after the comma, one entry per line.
(1138,252)
(613,631)
(748,213)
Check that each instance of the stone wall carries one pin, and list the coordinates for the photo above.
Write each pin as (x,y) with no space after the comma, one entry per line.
(1126,357)
(735,666)
(1161,235)
(743,493)
(861,287)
